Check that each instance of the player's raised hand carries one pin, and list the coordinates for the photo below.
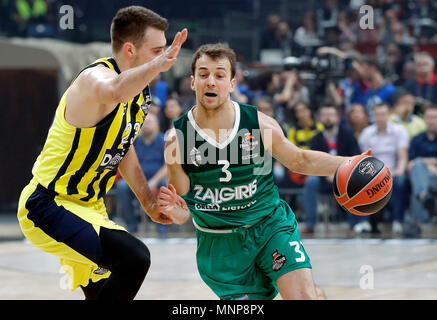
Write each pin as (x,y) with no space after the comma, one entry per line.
(169,56)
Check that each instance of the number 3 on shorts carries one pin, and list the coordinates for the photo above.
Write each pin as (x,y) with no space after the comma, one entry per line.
(296,246)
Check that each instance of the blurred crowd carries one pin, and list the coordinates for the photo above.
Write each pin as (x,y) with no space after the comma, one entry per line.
(342,87)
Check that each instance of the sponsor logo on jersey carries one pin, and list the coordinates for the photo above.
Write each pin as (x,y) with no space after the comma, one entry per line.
(111,160)
(207,206)
(239,207)
(195,157)
(278,260)
(219,195)
(249,142)
(366,167)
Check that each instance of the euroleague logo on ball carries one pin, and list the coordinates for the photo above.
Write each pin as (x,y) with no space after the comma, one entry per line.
(366,167)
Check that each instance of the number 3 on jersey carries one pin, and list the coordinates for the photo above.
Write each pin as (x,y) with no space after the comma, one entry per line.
(225,170)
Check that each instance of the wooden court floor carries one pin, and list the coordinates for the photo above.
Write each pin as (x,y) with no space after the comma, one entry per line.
(352,269)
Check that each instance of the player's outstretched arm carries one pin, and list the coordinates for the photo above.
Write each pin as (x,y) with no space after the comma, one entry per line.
(104,86)
(308,162)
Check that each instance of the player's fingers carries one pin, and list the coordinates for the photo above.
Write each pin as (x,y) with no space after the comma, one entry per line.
(165,197)
(172,188)
(368,152)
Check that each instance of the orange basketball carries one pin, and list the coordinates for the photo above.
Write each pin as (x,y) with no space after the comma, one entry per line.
(363,185)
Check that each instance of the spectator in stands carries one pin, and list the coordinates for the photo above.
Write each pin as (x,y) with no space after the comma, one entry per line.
(398,34)
(424,87)
(304,129)
(389,143)
(287,90)
(283,40)
(372,88)
(306,35)
(420,14)
(242,93)
(423,172)
(159,90)
(335,140)
(265,105)
(357,119)
(393,64)
(348,31)
(327,15)
(150,151)
(184,93)
(172,111)
(33,18)
(403,114)
(267,41)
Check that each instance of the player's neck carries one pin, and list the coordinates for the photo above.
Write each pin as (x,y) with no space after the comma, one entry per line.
(222,117)
(122,64)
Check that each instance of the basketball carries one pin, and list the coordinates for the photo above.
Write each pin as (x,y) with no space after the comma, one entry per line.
(363,185)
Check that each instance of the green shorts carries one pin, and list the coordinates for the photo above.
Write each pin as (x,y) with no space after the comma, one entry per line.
(246,263)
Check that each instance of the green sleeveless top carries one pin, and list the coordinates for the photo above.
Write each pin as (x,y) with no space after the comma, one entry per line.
(231,183)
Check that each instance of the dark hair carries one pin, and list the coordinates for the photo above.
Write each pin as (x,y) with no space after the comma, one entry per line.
(329,105)
(373,62)
(215,51)
(382,104)
(130,24)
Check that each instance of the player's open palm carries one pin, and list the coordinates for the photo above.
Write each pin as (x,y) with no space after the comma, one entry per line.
(168,57)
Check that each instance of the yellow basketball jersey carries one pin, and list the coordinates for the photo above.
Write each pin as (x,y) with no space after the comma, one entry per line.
(81,163)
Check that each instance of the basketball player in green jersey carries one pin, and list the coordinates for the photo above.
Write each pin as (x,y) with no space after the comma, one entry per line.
(248,239)
(99,116)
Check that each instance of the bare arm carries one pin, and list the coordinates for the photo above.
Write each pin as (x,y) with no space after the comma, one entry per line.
(178,182)
(132,173)
(308,162)
(97,90)
(158,177)
(109,87)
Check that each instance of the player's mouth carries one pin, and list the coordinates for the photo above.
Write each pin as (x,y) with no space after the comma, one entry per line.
(210,95)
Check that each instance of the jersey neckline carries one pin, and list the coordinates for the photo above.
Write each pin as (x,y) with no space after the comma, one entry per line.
(209,139)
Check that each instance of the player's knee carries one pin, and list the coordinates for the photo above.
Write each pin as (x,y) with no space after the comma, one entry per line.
(139,262)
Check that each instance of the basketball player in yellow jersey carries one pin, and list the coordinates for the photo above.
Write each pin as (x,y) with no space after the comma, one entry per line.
(61,210)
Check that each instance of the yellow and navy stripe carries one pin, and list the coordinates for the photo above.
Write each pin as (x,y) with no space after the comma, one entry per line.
(81,163)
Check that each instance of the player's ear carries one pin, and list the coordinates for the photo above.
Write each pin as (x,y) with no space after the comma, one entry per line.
(233,83)
(192,82)
(128,50)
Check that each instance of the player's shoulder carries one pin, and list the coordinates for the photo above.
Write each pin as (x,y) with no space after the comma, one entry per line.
(179,122)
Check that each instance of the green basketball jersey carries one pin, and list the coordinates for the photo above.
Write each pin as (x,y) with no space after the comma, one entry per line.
(231,183)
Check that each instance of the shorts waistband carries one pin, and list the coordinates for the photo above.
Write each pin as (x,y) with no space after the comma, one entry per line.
(46,191)
(208,230)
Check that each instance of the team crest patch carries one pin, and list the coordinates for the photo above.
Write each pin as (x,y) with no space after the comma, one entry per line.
(195,157)
(366,167)
(100,271)
(249,142)
(278,260)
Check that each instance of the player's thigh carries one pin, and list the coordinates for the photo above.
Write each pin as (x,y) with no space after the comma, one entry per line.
(283,257)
